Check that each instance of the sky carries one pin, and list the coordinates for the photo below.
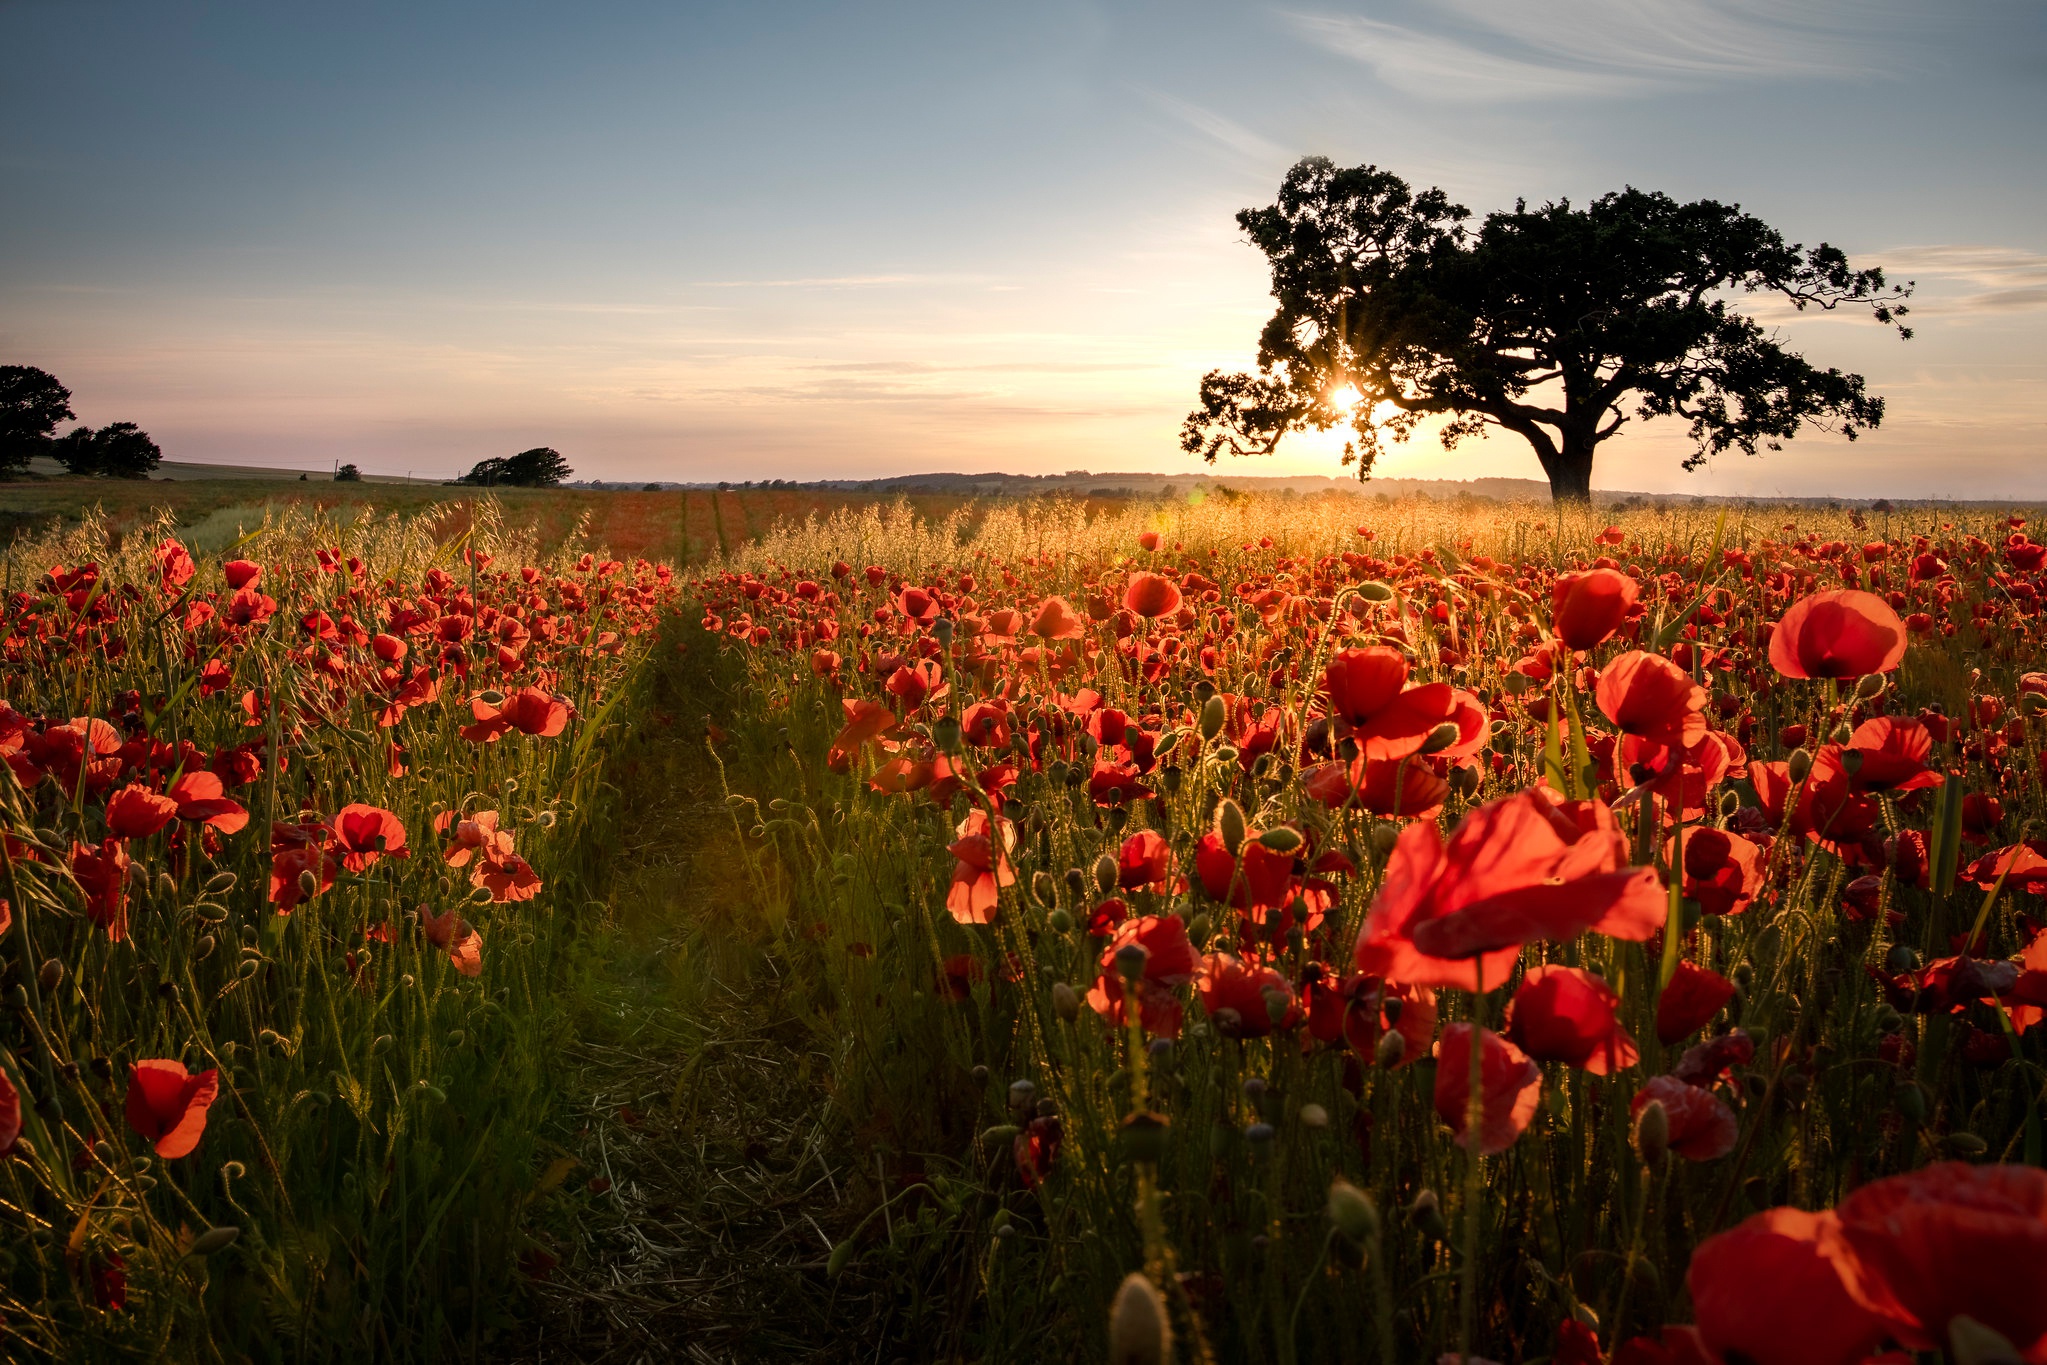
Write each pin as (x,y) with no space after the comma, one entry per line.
(840,240)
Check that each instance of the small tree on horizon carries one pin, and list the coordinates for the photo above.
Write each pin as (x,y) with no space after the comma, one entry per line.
(119,450)
(32,402)
(1556,323)
(348,473)
(540,467)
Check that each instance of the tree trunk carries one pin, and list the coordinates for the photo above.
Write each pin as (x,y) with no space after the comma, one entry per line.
(1570,473)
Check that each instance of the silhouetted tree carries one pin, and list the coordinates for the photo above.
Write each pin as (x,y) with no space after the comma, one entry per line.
(120,450)
(1556,323)
(32,402)
(348,473)
(540,467)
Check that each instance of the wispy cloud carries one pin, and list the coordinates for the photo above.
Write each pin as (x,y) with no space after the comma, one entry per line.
(1999,279)
(1537,49)
(1224,132)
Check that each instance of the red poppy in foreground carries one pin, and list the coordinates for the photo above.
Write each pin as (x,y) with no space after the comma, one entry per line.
(203,800)
(1151,595)
(1952,1240)
(1647,695)
(1057,620)
(1588,606)
(167,1104)
(1562,1014)
(1693,997)
(1767,1292)
(1516,870)
(136,812)
(1369,695)
(363,834)
(1509,1083)
(1841,634)
(1723,871)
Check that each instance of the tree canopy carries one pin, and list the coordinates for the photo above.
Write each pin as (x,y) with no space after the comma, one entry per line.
(32,402)
(1558,323)
(119,450)
(540,467)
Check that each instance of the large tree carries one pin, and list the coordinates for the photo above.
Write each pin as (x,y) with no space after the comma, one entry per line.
(540,467)
(32,402)
(119,450)
(1558,323)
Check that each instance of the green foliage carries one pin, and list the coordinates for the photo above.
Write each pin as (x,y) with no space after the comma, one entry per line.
(32,402)
(540,467)
(120,450)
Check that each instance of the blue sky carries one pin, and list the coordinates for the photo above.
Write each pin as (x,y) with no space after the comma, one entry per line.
(804,240)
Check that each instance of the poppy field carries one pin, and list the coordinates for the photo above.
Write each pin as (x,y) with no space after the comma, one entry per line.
(294,844)
(1299,930)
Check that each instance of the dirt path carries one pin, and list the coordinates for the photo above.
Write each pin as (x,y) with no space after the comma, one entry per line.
(710,1179)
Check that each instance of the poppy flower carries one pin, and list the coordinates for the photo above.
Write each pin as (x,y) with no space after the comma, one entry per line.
(1169,962)
(167,1104)
(1766,1291)
(136,812)
(1889,754)
(477,835)
(1241,998)
(203,800)
(986,725)
(529,710)
(864,721)
(1369,695)
(241,573)
(1036,1149)
(1647,695)
(1563,1014)
(1515,870)
(1112,784)
(1510,1087)
(1151,595)
(1256,878)
(1056,619)
(1692,998)
(1145,859)
(363,834)
(980,867)
(1588,606)
(918,605)
(102,874)
(507,877)
(454,936)
(1722,871)
(300,854)
(1950,1240)
(174,566)
(1384,786)
(1702,1127)
(1840,634)
(10,1115)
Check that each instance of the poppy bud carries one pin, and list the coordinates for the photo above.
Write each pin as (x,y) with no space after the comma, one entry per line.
(1730,802)
(1065,1001)
(1464,781)
(1652,1133)
(1375,591)
(1060,921)
(212,1240)
(1798,765)
(1871,687)
(1143,1137)
(1076,883)
(1965,1144)
(1975,1344)
(1385,834)
(1902,958)
(1022,1095)
(1170,779)
(1044,890)
(205,947)
(1314,1116)
(1910,1098)
(1139,1331)
(166,884)
(941,630)
(1851,761)
(1842,733)
(945,733)
(1281,839)
(1389,1050)
(309,885)
(1440,738)
(490,696)
(1516,683)
(1130,960)
(1426,1213)
(1229,822)
(1214,712)
(1260,1136)
(1105,873)
(51,976)
(1197,930)
(1353,1212)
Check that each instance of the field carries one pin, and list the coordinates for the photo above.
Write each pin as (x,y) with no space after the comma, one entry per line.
(626,926)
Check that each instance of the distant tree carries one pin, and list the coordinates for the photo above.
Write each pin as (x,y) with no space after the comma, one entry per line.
(1559,324)
(32,402)
(120,450)
(540,467)
(348,473)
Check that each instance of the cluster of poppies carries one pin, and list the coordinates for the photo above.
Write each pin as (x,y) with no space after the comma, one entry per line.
(160,725)
(1329,788)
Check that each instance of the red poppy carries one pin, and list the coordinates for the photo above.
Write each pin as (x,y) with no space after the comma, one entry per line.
(1888,754)
(918,605)
(202,799)
(1056,619)
(1702,1127)
(363,834)
(1563,1014)
(1649,696)
(1242,998)
(1840,634)
(303,863)
(1515,870)
(102,874)
(1036,1149)
(1113,784)
(1590,605)
(136,812)
(1258,879)
(1391,787)
(241,573)
(1368,694)
(454,936)
(1951,1240)
(980,867)
(529,710)
(1693,997)
(174,566)
(1723,871)
(912,684)
(478,835)
(10,1115)
(1145,859)
(1766,1291)
(1169,962)
(1510,1086)
(986,725)
(1151,595)
(167,1104)
(507,877)
(865,721)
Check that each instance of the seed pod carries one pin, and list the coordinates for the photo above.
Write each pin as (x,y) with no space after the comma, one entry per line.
(1375,591)
(213,1240)
(1281,839)
(1215,713)
(1130,961)
(941,630)
(1652,1134)
(1105,873)
(1353,1213)
(1139,1331)
(1065,1001)
(1441,738)
(1229,822)
(51,976)
(1464,781)
(1799,764)
(1516,683)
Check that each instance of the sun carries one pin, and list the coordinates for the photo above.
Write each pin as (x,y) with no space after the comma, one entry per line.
(1345,397)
